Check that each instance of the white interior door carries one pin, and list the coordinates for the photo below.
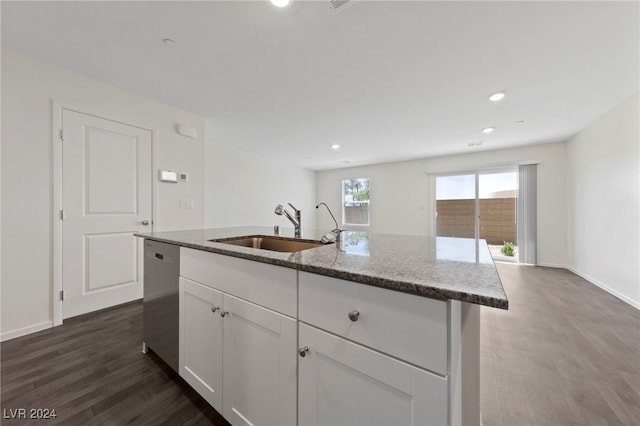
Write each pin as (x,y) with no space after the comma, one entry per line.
(106,198)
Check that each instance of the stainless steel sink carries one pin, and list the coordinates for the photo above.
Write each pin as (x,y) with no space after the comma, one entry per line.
(267,242)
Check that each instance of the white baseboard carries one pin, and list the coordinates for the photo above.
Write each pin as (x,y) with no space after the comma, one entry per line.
(24,331)
(606,288)
(553,265)
(595,282)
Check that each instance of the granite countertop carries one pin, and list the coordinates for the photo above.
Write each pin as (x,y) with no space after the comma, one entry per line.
(435,267)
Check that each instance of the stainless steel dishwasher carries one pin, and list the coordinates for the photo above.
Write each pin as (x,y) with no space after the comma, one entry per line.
(160,303)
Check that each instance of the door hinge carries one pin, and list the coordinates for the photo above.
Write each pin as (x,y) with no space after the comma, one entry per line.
(61,214)
(61,294)
(61,135)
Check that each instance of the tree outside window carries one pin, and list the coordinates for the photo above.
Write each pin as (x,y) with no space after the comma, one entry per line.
(355,201)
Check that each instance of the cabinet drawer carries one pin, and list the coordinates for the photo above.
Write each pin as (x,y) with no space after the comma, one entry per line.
(411,328)
(271,286)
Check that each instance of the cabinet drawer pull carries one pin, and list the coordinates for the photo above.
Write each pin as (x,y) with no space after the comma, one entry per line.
(303,351)
(214,308)
(354,315)
(223,313)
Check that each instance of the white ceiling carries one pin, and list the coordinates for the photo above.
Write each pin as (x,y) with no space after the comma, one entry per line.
(387,80)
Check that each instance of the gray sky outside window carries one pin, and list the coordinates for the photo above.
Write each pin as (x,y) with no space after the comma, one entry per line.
(462,187)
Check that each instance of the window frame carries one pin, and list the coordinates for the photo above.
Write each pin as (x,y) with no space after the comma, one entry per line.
(343,203)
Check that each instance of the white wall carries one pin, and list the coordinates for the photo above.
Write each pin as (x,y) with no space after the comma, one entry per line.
(400,193)
(243,189)
(28,88)
(603,174)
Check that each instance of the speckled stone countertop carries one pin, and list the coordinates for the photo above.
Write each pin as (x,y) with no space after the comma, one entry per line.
(436,267)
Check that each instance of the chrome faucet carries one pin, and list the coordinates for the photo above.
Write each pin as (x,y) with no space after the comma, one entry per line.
(334,234)
(297,222)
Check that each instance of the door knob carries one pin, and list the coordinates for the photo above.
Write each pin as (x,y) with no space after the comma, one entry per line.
(303,351)
(224,313)
(354,315)
(214,308)
(146,222)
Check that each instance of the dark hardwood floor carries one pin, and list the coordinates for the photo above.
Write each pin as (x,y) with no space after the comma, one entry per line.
(565,353)
(92,372)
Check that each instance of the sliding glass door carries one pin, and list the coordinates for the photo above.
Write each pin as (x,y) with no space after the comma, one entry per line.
(498,195)
(456,206)
(480,205)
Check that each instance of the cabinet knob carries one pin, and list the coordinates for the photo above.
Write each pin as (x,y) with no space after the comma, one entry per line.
(354,315)
(303,351)
(223,313)
(214,308)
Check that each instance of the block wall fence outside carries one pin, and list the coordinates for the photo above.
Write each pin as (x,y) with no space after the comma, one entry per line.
(357,214)
(497,219)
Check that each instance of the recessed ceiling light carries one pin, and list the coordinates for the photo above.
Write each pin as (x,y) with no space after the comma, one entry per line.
(335,146)
(520,122)
(280,3)
(488,129)
(496,97)
(169,42)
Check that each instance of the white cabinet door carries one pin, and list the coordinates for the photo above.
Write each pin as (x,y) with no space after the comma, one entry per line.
(201,329)
(343,383)
(259,365)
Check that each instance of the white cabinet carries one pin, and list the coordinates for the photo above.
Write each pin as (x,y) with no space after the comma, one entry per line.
(372,356)
(343,383)
(200,359)
(405,326)
(240,355)
(274,287)
(259,365)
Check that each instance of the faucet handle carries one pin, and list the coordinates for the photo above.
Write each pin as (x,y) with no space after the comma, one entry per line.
(293,207)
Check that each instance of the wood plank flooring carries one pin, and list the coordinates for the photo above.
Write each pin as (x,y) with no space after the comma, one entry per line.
(92,372)
(565,353)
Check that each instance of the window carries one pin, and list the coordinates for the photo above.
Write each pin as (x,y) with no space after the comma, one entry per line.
(355,201)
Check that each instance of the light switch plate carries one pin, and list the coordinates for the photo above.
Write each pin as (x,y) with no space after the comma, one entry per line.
(183,177)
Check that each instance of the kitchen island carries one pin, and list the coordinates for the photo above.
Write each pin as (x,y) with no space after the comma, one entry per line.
(374,328)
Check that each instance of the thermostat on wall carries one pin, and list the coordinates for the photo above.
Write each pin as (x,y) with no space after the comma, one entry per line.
(168,176)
